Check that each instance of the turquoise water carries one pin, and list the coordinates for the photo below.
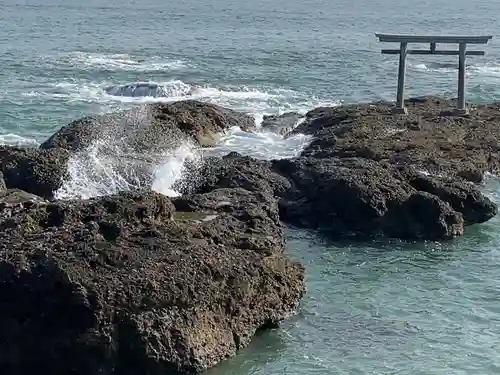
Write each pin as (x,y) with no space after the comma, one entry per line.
(371,308)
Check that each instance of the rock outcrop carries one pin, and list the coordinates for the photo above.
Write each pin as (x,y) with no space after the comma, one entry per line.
(152,127)
(428,138)
(237,171)
(356,196)
(137,283)
(39,172)
(359,196)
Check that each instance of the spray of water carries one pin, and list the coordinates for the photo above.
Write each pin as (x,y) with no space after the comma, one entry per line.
(127,153)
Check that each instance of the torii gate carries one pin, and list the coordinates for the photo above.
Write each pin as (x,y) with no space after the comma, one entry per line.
(462,42)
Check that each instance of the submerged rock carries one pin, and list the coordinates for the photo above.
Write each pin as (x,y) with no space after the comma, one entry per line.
(152,127)
(139,89)
(144,89)
(35,171)
(428,138)
(126,284)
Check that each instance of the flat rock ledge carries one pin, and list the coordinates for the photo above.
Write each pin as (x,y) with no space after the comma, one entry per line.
(429,138)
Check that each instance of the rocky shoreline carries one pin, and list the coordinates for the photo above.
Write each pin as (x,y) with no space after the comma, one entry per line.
(137,282)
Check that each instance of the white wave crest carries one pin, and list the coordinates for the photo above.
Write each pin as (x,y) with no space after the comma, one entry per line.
(254,100)
(489,69)
(118,62)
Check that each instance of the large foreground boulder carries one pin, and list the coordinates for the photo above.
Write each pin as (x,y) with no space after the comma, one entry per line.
(152,127)
(129,284)
(345,196)
(429,137)
(39,172)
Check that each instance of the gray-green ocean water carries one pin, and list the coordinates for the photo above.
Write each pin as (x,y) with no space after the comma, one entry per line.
(371,308)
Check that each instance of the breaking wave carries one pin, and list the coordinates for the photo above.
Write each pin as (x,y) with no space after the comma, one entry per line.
(128,154)
(110,165)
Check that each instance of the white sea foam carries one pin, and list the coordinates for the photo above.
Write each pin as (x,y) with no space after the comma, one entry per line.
(17,140)
(118,62)
(117,161)
(478,70)
(108,166)
(172,167)
(258,101)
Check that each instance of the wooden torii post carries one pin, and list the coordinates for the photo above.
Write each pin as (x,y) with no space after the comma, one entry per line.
(462,42)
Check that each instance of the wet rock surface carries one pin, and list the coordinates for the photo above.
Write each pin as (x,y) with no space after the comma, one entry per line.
(236,171)
(39,172)
(159,126)
(128,284)
(282,124)
(357,196)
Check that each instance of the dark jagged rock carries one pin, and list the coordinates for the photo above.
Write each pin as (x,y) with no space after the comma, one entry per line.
(462,196)
(39,172)
(126,284)
(282,124)
(362,197)
(3,187)
(152,127)
(234,170)
(428,138)
(344,196)
(139,283)
(421,216)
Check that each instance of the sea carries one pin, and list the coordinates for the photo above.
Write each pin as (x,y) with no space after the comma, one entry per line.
(379,307)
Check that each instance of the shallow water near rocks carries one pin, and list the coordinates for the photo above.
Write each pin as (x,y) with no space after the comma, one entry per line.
(371,308)
(388,307)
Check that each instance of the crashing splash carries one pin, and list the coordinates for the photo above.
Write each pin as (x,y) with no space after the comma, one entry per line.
(122,158)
